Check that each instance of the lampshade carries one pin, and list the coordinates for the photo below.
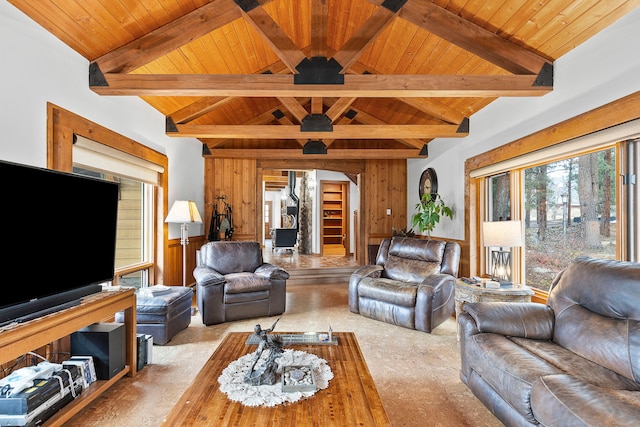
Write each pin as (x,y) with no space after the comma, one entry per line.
(502,233)
(183,211)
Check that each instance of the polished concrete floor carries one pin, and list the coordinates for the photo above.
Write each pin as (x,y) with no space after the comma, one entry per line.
(416,374)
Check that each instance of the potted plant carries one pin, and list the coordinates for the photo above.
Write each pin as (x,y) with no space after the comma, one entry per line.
(430,208)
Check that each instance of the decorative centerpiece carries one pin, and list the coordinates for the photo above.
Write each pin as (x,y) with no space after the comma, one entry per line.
(265,373)
(298,378)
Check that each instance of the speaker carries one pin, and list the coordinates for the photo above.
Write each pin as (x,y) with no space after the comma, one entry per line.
(106,343)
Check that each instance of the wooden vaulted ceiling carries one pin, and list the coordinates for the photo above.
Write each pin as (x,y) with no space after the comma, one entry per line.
(345,78)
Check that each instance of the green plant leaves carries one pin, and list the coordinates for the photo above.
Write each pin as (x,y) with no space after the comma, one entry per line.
(430,209)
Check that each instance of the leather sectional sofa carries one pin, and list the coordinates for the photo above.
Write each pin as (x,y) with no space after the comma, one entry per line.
(411,285)
(572,362)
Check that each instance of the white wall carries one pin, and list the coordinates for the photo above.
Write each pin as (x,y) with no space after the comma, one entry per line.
(601,70)
(38,68)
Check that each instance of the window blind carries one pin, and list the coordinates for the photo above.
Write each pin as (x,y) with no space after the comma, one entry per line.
(624,131)
(99,157)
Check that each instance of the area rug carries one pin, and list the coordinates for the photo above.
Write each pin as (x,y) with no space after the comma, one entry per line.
(232,379)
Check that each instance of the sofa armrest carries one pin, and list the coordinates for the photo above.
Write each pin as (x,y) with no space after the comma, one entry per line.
(271,271)
(206,276)
(526,319)
(354,282)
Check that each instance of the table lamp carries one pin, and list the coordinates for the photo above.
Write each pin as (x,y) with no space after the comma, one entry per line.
(501,234)
(184,212)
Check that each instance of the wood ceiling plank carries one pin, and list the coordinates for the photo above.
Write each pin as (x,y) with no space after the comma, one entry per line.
(580,30)
(384,131)
(472,37)
(275,37)
(365,35)
(169,37)
(277,85)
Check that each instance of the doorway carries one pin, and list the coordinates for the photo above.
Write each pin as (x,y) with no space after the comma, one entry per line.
(334,227)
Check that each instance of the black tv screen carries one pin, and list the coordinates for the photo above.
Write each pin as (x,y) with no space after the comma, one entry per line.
(59,235)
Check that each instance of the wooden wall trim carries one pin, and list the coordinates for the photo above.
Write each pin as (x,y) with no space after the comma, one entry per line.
(63,124)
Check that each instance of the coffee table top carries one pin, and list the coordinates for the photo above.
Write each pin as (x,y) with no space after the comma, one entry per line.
(350,399)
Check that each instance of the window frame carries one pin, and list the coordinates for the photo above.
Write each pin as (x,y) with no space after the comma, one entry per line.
(62,125)
(617,112)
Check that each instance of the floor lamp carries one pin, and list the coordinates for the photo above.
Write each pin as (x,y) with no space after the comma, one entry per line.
(184,212)
(501,234)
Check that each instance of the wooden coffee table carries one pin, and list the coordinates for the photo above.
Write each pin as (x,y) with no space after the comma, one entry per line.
(350,399)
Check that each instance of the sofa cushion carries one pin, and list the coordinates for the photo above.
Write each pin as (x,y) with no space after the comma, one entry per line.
(239,283)
(508,368)
(597,314)
(579,367)
(411,260)
(387,290)
(563,400)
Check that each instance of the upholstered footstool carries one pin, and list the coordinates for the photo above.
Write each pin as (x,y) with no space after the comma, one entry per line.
(162,312)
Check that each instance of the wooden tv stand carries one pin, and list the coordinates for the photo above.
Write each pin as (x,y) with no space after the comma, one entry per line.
(31,335)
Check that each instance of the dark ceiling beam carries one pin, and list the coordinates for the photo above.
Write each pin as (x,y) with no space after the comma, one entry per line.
(278,85)
(171,36)
(364,36)
(319,12)
(275,37)
(471,37)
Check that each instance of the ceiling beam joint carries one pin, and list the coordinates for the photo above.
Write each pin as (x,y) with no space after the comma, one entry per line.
(393,5)
(318,71)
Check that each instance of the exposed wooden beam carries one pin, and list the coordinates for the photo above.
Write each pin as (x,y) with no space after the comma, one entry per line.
(335,154)
(319,12)
(339,107)
(200,108)
(275,37)
(278,85)
(364,36)
(469,36)
(386,131)
(294,107)
(171,36)
(367,119)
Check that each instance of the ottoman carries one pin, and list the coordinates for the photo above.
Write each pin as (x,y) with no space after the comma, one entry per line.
(162,311)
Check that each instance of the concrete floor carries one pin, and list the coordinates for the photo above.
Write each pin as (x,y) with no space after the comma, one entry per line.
(416,374)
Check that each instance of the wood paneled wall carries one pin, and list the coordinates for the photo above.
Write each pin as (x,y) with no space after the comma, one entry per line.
(381,183)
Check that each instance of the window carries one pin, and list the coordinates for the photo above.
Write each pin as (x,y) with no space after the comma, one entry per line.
(576,198)
(134,246)
(570,210)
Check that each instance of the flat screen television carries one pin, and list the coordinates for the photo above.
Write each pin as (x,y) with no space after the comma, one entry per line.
(59,239)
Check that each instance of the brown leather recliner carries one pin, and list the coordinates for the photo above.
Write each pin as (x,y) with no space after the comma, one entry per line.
(233,283)
(412,283)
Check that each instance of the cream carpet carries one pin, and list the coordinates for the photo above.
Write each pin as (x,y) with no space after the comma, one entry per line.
(416,374)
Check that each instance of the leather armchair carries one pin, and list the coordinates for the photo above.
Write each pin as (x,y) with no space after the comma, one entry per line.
(412,283)
(233,282)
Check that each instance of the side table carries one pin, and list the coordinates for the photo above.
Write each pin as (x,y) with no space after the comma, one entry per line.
(478,293)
